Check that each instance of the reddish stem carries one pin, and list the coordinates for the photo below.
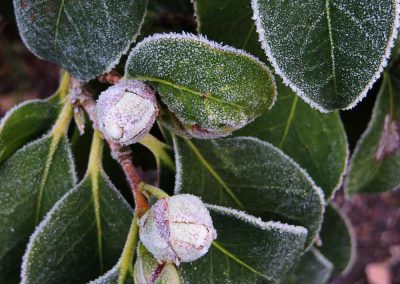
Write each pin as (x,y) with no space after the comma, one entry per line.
(122,154)
(112,77)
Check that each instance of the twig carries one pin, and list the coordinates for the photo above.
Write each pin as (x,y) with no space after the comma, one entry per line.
(80,97)
(113,77)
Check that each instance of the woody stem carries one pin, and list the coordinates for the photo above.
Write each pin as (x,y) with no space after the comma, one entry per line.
(80,97)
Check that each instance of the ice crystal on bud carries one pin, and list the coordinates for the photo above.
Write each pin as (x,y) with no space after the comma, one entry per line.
(177,229)
(148,271)
(127,111)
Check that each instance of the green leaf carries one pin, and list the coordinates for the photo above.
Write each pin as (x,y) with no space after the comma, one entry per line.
(329,52)
(247,250)
(84,233)
(337,241)
(31,181)
(312,268)
(86,38)
(23,123)
(163,155)
(212,89)
(252,175)
(122,272)
(229,22)
(112,277)
(375,163)
(316,141)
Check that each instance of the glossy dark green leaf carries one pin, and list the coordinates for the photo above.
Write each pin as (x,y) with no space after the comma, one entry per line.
(82,236)
(314,140)
(247,250)
(23,123)
(212,89)
(375,163)
(122,272)
(329,52)
(338,244)
(31,181)
(229,22)
(252,175)
(86,38)
(312,268)
(180,6)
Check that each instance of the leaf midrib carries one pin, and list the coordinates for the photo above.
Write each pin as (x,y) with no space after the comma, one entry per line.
(289,121)
(186,89)
(55,141)
(230,255)
(331,43)
(212,171)
(57,27)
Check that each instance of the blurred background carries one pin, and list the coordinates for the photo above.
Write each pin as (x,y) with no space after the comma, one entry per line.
(375,218)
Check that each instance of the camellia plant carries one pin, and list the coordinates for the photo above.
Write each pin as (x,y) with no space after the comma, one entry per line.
(239,118)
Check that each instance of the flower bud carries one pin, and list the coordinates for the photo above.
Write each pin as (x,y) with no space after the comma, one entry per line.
(126,111)
(177,229)
(148,271)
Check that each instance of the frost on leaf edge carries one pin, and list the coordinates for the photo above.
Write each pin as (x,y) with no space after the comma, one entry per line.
(106,68)
(258,222)
(296,89)
(15,108)
(202,39)
(56,207)
(317,189)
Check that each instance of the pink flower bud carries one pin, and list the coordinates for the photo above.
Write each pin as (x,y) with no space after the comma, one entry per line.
(127,111)
(177,229)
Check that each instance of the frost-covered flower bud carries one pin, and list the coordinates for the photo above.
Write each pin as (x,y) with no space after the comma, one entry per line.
(177,229)
(126,111)
(148,271)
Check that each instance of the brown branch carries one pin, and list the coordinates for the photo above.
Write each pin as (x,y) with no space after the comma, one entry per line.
(123,155)
(82,98)
(113,77)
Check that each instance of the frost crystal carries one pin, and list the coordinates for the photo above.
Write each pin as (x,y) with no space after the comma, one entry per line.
(329,52)
(127,111)
(177,229)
